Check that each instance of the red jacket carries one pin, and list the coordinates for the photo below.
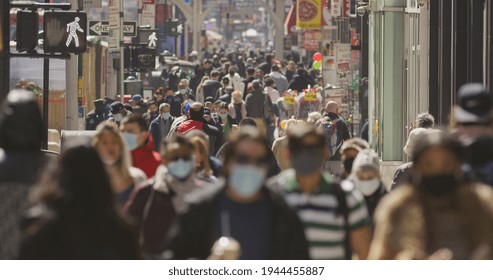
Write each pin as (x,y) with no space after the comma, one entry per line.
(190,125)
(146,159)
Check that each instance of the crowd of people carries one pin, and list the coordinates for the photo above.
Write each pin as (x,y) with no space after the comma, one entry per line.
(168,177)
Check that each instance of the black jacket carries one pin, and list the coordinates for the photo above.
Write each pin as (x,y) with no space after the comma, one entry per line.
(342,134)
(192,236)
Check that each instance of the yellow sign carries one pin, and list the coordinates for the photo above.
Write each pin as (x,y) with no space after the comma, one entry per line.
(289,100)
(308,14)
(311,97)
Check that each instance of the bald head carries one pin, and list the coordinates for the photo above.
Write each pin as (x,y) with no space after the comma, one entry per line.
(197,111)
(331,107)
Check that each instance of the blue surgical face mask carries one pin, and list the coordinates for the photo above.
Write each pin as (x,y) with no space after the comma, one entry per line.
(223,116)
(181,169)
(166,115)
(246,180)
(130,140)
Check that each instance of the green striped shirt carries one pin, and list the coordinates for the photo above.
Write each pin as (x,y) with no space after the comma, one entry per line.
(324,228)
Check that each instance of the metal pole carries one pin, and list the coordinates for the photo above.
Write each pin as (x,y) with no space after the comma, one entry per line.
(71,93)
(46,98)
(122,56)
(5,53)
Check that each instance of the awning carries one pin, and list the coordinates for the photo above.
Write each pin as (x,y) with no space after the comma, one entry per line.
(290,21)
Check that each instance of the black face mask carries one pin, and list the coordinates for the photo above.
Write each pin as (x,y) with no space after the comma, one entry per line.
(439,185)
(348,164)
(197,115)
(307,161)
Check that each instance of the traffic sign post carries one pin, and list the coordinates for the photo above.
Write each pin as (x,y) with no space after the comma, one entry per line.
(92,3)
(64,32)
(102,28)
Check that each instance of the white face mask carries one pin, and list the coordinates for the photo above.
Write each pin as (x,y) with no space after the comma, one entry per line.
(367,187)
(109,162)
(118,117)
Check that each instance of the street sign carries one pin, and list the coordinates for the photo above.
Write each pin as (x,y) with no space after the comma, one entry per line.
(102,28)
(115,28)
(92,3)
(149,37)
(64,32)
(148,16)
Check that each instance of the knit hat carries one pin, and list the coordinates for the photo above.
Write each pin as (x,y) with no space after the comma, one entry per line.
(414,136)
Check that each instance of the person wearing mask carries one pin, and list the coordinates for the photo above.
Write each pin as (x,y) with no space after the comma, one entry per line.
(349,150)
(235,79)
(141,144)
(237,107)
(97,115)
(152,112)
(174,102)
(158,97)
(118,112)
(439,211)
(184,93)
(403,172)
(336,221)
(154,204)
(21,164)
(225,120)
(240,207)
(365,177)
(473,125)
(138,105)
(424,124)
(161,126)
(280,81)
(333,165)
(73,214)
(255,103)
(116,159)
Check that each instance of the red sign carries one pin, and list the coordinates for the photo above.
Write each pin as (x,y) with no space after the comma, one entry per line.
(312,39)
(346,8)
(148,1)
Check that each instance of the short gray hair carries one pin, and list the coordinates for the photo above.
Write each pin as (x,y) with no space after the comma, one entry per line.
(163,105)
(425,120)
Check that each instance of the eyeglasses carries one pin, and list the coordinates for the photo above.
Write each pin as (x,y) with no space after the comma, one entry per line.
(246,159)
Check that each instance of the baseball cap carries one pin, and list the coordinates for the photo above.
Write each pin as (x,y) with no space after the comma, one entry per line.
(115,107)
(209,99)
(136,98)
(355,143)
(474,104)
(98,101)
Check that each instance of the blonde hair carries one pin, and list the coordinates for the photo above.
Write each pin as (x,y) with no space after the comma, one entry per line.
(123,163)
(202,148)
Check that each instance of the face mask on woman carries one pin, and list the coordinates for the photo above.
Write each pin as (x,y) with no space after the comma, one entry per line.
(246,179)
(181,169)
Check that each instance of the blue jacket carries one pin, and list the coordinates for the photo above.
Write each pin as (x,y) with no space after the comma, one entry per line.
(156,133)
